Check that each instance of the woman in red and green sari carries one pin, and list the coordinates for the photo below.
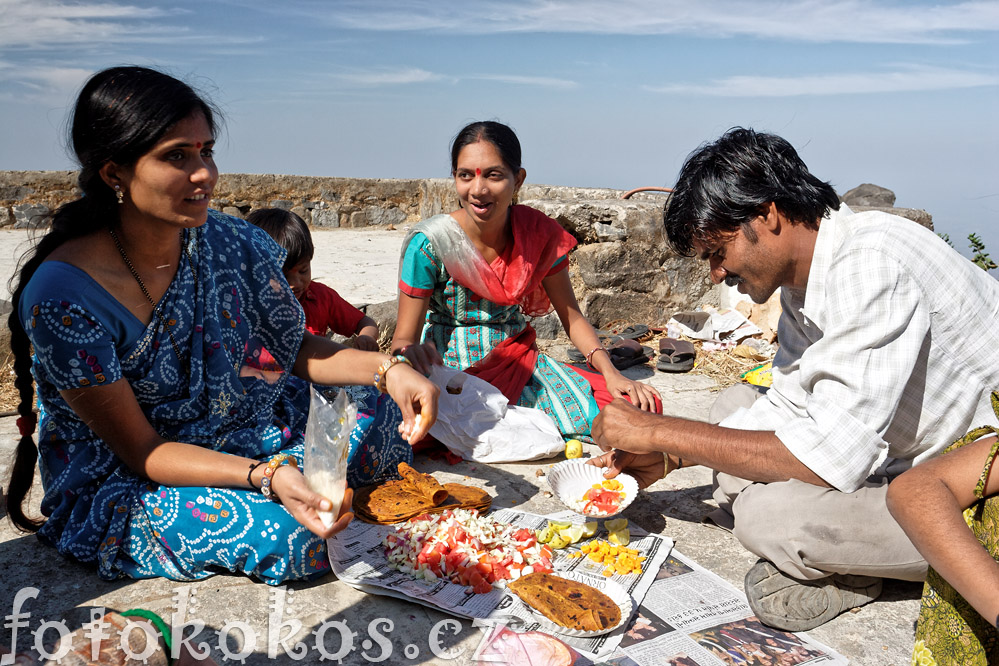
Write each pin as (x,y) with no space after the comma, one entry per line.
(470,280)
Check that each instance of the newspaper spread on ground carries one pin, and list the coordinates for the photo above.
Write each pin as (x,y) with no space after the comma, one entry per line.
(692,617)
(357,557)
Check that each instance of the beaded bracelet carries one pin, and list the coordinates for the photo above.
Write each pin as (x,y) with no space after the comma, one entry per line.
(590,356)
(272,465)
(384,368)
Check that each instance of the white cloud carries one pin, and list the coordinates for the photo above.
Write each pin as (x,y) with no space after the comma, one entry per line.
(388,77)
(905,79)
(413,75)
(50,84)
(540,81)
(56,24)
(877,21)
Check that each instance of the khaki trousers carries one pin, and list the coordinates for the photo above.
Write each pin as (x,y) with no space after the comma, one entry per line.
(808,531)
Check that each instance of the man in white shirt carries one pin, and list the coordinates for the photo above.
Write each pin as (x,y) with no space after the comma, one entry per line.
(889,349)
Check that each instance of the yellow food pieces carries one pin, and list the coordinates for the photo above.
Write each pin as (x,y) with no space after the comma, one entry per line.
(573,448)
(618,559)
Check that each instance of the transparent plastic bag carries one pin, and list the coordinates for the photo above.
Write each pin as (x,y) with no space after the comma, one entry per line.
(327,445)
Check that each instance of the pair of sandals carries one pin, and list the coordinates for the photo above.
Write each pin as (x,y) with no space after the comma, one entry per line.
(623,352)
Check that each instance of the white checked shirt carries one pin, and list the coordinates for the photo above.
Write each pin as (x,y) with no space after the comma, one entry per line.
(887,356)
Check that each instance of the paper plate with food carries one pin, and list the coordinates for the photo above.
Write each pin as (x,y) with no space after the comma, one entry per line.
(570,604)
(584,489)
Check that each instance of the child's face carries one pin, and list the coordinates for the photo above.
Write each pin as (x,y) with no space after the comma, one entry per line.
(299,276)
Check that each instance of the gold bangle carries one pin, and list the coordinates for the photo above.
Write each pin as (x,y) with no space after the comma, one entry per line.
(384,368)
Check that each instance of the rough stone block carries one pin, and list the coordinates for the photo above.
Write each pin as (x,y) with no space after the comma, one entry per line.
(376,216)
(596,220)
(437,196)
(618,265)
(548,327)
(325,217)
(15,192)
(869,195)
(283,204)
(6,217)
(917,215)
(30,216)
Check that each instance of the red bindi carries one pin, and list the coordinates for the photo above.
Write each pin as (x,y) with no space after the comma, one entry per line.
(478,172)
(198,144)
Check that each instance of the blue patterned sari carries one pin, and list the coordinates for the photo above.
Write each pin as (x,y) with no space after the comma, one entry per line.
(228,300)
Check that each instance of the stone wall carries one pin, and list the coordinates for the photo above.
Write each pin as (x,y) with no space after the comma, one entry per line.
(621,269)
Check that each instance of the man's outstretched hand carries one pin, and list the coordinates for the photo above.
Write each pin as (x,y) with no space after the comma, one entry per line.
(647,468)
(621,425)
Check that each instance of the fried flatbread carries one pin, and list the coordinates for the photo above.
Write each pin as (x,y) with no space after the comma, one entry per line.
(567,603)
(414,494)
(425,485)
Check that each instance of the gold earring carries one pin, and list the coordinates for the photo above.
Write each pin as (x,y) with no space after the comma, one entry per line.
(118,193)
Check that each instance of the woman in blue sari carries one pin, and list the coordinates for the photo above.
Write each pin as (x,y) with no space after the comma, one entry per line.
(161,449)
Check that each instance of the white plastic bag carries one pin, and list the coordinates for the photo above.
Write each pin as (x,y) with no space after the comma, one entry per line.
(327,444)
(475,421)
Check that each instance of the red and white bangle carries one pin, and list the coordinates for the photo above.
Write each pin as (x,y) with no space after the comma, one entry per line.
(589,356)
(272,465)
(384,368)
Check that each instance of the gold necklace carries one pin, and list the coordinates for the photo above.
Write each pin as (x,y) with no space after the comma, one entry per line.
(142,286)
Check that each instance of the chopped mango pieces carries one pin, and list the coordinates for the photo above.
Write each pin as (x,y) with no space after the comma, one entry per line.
(617,559)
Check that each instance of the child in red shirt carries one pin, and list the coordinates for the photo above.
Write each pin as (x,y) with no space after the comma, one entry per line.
(324,308)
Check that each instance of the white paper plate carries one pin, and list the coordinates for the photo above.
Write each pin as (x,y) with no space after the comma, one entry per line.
(570,480)
(617,594)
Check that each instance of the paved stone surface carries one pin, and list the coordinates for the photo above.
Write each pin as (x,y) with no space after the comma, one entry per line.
(363,265)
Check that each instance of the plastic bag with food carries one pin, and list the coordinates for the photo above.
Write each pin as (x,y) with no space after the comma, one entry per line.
(327,447)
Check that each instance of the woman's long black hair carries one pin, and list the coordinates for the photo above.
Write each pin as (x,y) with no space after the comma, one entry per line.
(120,114)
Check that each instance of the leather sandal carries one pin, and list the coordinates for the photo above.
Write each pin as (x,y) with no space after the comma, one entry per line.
(675,355)
(627,353)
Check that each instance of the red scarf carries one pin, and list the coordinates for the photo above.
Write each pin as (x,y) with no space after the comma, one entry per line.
(513,278)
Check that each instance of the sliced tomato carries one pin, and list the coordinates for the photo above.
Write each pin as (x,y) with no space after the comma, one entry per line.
(524,534)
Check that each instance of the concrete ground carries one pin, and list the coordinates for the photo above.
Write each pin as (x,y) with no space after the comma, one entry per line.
(362,265)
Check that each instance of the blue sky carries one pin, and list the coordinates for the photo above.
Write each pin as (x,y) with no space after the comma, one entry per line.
(602,94)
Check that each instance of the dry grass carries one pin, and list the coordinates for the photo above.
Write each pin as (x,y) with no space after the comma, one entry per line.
(8,394)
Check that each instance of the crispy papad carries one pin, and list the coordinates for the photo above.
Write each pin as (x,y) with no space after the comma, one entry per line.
(414,494)
(567,603)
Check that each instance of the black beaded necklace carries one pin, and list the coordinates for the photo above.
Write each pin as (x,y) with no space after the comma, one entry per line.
(142,286)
